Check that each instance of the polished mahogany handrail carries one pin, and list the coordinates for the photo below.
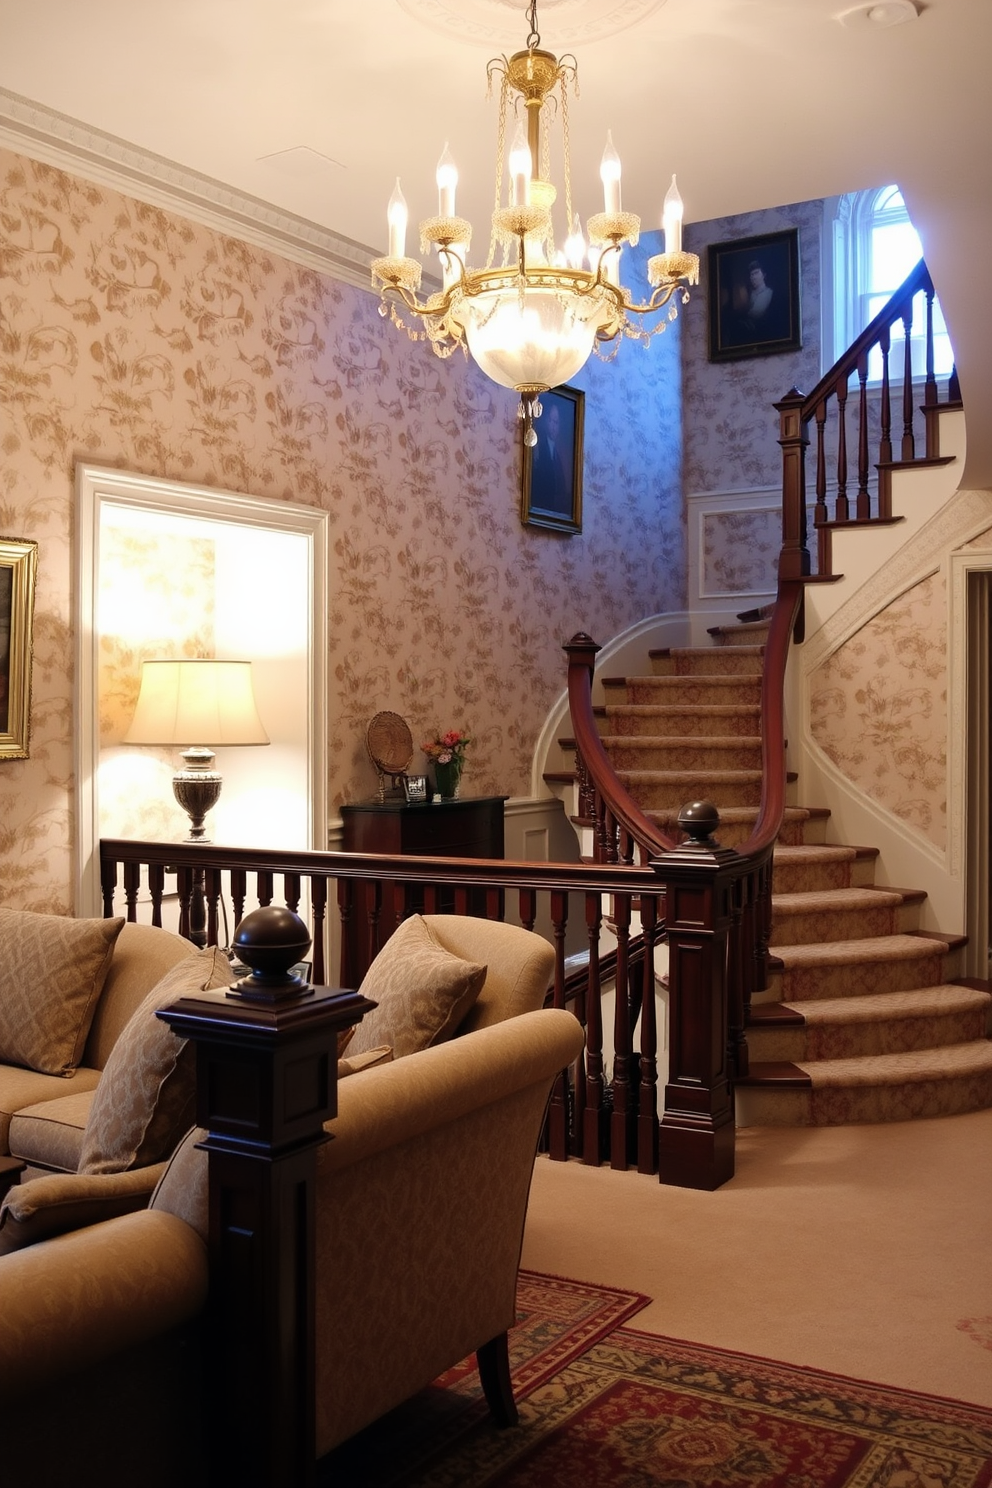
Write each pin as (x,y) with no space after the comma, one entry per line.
(916,280)
(581,651)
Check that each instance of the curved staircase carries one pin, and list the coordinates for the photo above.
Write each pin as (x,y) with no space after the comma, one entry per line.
(866,1017)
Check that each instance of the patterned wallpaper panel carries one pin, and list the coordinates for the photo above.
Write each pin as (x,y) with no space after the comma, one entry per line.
(731,427)
(878,708)
(132,337)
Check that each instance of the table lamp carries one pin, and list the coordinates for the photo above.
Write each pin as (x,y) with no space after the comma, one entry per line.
(205,700)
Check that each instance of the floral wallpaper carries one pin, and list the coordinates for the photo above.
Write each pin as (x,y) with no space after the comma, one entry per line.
(731,427)
(132,337)
(740,551)
(878,708)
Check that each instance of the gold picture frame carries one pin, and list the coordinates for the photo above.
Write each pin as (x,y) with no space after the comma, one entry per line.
(18,571)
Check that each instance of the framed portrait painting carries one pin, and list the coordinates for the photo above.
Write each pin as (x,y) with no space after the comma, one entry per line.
(551,494)
(753,297)
(18,568)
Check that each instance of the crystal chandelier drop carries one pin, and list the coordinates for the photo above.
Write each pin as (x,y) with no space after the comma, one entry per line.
(532,319)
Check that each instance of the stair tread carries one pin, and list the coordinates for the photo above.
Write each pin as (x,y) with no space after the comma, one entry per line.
(905,947)
(805,900)
(914,1065)
(684,741)
(814,853)
(945,997)
(730,777)
(701,710)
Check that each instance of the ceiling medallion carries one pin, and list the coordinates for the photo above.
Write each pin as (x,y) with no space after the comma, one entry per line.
(575,21)
(533,315)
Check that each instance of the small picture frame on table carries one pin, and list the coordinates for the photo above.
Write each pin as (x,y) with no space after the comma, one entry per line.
(415,788)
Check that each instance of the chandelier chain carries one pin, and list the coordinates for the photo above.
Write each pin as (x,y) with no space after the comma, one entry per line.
(534,36)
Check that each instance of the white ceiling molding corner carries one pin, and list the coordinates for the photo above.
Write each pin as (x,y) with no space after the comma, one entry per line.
(43,134)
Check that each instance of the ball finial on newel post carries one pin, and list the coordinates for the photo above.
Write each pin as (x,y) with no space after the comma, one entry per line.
(270,940)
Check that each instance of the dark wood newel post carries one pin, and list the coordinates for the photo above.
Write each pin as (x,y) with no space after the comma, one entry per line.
(794,561)
(696,1136)
(266,1069)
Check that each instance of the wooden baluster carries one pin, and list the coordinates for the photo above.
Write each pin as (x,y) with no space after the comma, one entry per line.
(318,904)
(461,905)
(863,506)
(239,892)
(908,439)
(184,891)
(212,890)
(647,1081)
(291,891)
(794,560)
(586,795)
(349,973)
(842,510)
(108,886)
(558,1135)
(156,888)
(132,883)
(264,887)
(885,443)
(762,925)
(431,899)
(592,1113)
(930,392)
(373,918)
(735,980)
(527,908)
(820,513)
(623,1105)
(748,965)
(494,904)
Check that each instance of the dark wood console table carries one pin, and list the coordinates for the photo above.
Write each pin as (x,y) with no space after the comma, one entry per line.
(467,827)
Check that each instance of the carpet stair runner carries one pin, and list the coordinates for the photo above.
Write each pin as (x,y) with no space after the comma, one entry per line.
(866,1017)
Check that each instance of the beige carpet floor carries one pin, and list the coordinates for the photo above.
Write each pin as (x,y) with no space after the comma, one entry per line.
(864,1250)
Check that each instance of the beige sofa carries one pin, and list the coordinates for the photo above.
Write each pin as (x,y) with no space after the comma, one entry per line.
(420,1207)
(43,1115)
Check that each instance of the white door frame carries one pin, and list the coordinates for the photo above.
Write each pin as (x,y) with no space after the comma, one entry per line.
(98,487)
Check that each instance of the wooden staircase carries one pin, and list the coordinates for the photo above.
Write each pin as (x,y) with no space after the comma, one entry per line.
(865,1017)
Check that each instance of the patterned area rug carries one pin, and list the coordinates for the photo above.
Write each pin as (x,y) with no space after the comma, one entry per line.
(632,1409)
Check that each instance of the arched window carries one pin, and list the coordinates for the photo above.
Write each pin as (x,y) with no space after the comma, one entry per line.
(875,245)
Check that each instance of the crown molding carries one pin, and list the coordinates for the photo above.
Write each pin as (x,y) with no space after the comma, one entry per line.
(43,134)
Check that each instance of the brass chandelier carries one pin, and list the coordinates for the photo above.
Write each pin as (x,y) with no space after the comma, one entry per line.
(532,320)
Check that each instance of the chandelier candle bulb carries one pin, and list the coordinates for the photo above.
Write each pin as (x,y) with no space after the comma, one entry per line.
(672,219)
(521,167)
(396,216)
(609,174)
(447,180)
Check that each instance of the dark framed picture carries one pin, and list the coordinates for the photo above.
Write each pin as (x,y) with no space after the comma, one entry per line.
(754,296)
(18,569)
(415,788)
(551,491)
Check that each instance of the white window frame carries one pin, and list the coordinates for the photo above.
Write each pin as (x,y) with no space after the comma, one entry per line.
(845,265)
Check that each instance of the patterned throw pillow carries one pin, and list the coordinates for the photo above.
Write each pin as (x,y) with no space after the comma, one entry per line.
(52,971)
(144,1101)
(423,992)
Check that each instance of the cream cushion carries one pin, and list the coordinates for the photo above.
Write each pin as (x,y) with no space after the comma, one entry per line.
(52,971)
(423,992)
(144,1101)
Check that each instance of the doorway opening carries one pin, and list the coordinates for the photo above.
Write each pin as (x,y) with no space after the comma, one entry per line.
(172,570)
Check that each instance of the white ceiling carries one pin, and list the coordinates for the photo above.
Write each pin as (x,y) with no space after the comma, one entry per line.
(316,106)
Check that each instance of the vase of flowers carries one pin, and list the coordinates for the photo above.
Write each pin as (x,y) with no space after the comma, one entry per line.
(447,751)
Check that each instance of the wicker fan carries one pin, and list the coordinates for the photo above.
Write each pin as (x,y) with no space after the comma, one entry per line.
(390,745)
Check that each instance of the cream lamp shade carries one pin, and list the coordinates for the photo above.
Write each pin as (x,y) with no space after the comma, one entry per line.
(196,702)
(200,704)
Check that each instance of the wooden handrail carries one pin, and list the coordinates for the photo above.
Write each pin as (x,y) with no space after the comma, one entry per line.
(916,280)
(869,501)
